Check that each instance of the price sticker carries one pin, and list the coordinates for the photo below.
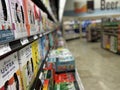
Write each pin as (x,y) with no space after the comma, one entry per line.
(24,41)
(35,37)
(4,48)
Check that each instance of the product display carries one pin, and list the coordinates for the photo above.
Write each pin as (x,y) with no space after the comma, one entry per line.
(71,29)
(110,37)
(34,55)
(62,59)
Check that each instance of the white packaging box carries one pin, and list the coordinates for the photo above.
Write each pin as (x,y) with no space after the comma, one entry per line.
(10,78)
(6,31)
(26,66)
(18,18)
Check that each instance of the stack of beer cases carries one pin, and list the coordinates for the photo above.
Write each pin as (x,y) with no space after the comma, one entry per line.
(58,63)
(62,59)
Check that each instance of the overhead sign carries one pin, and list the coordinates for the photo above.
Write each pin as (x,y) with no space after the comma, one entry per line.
(105,4)
(81,6)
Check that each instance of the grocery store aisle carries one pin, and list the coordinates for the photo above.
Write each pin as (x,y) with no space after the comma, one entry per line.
(98,69)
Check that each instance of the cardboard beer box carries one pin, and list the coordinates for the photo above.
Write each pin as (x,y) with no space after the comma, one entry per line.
(37,18)
(39,52)
(6,31)
(35,56)
(41,26)
(31,17)
(65,86)
(49,73)
(46,43)
(43,46)
(18,19)
(51,40)
(10,77)
(26,66)
(40,49)
(64,81)
(44,18)
(46,85)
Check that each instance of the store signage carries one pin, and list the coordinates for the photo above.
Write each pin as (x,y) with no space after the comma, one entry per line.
(109,5)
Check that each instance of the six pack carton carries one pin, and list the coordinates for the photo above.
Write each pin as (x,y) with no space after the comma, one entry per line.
(6,30)
(10,78)
(26,66)
(18,19)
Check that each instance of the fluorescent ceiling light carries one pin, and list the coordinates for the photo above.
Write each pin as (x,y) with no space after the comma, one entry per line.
(61,9)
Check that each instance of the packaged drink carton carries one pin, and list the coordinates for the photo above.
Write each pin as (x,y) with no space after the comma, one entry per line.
(6,30)
(26,66)
(10,77)
(18,18)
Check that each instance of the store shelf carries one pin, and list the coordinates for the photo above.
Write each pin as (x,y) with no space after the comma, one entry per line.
(8,48)
(40,4)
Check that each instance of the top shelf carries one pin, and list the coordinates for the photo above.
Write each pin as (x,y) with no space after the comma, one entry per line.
(8,48)
(40,4)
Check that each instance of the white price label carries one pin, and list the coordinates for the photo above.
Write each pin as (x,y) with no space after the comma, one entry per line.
(41,77)
(24,41)
(4,48)
(35,37)
(40,35)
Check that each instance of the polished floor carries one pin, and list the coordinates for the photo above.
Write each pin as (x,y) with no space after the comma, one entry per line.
(98,68)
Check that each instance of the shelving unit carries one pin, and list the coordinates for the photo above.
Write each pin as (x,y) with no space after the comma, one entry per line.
(93,33)
(110,36)
(71,30)
(30,51)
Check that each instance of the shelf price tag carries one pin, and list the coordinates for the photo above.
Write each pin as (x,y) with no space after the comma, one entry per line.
(40,35)
(42,78)
(24,41)
(4,48)
(35,37)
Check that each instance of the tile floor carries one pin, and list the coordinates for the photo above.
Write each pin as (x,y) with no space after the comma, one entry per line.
(98,68)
